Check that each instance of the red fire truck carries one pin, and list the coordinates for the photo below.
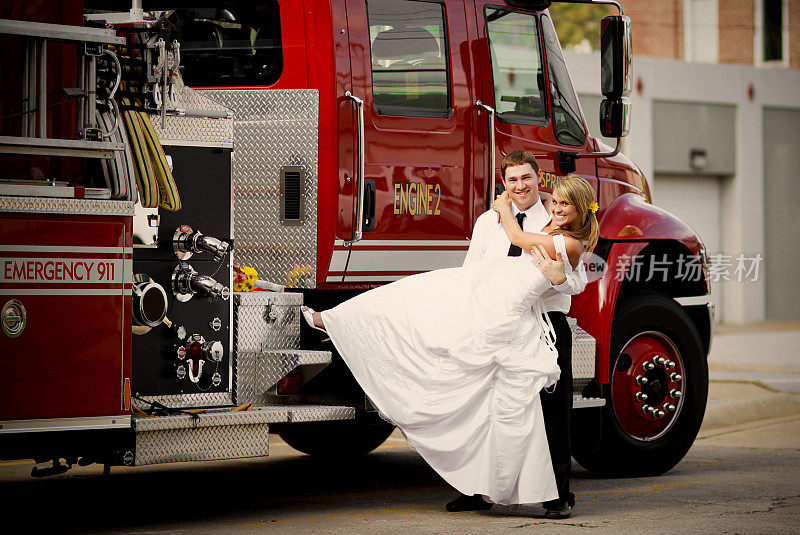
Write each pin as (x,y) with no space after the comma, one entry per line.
(347,143)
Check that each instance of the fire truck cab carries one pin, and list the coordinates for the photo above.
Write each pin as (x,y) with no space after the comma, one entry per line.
(348,143)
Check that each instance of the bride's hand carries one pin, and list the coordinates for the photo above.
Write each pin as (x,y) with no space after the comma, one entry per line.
(502,202)
(553,270)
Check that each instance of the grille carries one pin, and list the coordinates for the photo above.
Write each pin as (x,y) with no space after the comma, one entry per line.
(291,195)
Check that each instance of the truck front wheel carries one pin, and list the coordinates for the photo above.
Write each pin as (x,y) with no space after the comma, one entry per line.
(658,391)
(338,439)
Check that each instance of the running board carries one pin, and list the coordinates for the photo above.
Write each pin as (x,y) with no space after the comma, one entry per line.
(580,402)
(219,434)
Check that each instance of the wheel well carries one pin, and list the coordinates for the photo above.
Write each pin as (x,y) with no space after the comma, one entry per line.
(668,278)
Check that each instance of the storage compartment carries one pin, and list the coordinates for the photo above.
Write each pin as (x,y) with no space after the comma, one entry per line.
(266,320)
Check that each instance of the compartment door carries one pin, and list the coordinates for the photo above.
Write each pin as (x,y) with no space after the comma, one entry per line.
(65,295)
(409,77)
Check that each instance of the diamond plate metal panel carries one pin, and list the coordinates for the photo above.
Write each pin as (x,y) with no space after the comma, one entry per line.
(318,413)
(189,130)
(257,372)
(274,128)
(306,413)
(583,356)
(212,436)
(266,320)
(183,401)
(221,434)
(219,418)
(51,205)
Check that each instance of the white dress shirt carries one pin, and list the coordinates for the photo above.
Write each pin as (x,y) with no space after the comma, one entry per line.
(489,240)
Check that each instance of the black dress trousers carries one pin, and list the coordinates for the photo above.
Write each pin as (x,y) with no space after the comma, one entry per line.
(556,408)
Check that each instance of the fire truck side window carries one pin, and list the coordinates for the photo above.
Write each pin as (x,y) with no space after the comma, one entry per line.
(567,122)
(516,67)
(223,43)
(410,74)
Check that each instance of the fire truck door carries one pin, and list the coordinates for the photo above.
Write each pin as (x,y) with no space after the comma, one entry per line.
(415,205)
(525,81)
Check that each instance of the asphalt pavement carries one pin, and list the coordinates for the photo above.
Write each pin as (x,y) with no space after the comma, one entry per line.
(755,373)
(741,476)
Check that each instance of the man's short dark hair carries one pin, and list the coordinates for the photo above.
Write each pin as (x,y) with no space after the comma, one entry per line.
(518,157)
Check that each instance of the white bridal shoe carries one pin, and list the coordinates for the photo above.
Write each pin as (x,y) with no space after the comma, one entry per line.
(308,315)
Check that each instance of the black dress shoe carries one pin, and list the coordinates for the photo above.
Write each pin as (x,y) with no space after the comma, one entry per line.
(468,503)
(555,510)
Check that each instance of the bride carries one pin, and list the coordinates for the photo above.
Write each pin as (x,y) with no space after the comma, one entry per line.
(456,357)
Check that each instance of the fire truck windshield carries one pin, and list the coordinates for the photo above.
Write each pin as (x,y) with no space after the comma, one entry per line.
(567,122)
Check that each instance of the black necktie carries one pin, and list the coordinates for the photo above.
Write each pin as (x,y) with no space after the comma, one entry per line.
(514,250)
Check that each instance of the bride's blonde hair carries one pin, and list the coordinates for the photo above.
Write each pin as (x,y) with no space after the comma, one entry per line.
(578,192)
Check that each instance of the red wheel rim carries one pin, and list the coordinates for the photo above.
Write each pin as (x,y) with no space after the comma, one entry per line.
(647,386)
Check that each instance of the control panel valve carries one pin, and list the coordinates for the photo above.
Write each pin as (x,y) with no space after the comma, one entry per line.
(187,241)
(187,282)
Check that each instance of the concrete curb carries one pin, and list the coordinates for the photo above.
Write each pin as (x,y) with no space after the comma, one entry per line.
(736,402)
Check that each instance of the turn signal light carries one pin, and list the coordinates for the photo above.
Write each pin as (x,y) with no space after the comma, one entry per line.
(630,231)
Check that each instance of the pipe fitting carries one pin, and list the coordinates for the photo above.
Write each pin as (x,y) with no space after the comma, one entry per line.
(187,282)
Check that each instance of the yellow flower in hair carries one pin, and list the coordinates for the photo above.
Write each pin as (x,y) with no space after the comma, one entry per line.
(593,207)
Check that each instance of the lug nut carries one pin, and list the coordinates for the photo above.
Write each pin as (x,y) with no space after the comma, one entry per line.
(675,393)
(669,364)
(660,360)
(670,407)
(641,380)
(640,396)
(675,377)
(659,414)
(646,366)
(646,409)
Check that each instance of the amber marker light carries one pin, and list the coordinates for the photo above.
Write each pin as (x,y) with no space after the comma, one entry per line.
(630,231)
(126,394)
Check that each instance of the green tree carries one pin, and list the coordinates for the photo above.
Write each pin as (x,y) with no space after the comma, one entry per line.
(578,25)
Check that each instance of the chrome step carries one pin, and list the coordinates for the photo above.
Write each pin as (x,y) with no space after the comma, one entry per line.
(220,433)
(583,356)
(256,372)
(580,402)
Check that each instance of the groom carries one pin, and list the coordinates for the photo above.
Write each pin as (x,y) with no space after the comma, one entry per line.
(520,173)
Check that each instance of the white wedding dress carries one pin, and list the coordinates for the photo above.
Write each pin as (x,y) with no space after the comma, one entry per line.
(456,358)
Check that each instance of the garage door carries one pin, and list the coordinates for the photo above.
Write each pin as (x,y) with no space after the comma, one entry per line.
(781,213)
(696,200)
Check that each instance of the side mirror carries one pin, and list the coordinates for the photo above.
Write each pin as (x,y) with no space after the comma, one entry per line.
(616,75)
(615,117)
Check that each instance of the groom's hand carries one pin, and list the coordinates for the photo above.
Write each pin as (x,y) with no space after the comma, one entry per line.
(553,270)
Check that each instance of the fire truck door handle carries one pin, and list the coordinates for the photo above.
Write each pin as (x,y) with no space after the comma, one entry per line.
(359,226)
(490,143)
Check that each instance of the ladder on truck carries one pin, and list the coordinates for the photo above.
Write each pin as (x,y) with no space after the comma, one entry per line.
(33,136)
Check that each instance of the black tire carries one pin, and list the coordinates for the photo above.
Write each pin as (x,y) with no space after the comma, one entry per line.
(632,440)
(335,439)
